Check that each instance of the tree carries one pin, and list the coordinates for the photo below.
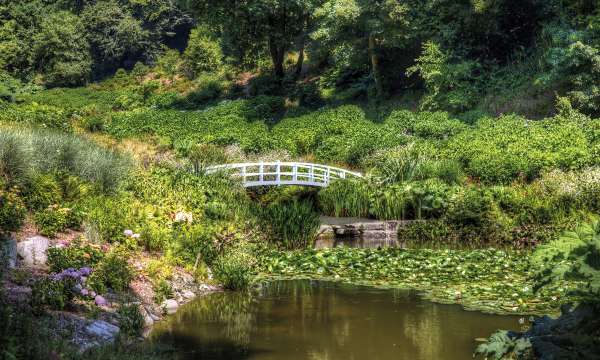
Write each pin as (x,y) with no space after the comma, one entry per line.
(364,24)
(62,51)
(116,37)
(270,24)
(203,52)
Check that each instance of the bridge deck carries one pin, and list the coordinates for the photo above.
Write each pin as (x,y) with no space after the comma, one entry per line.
(284,173)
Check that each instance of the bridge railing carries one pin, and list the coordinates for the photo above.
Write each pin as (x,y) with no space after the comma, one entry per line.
(284,173)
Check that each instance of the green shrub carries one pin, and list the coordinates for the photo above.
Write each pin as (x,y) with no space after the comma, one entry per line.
(93,123)
(425,233)
(233,270)
(389,202)
(292,224)
(131,320)
(108,217)
(42,192)
(112,272)
(74,256)
(210,87)
(162,291)
(52,220)
(47,292)
(473,212)
(43,116)
(203,53)
(12,210)
(203,155)
(508,148)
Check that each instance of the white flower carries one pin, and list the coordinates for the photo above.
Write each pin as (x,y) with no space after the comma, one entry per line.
(135,236)
(128,233)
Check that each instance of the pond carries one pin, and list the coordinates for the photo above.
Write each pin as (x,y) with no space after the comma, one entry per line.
(302,319)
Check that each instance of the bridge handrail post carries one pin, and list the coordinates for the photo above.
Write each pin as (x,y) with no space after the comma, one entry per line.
(261,171)
(278,173)
(295,172)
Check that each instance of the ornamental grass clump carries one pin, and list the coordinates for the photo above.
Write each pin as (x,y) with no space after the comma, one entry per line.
(292,224)
(348,197)
(25,152)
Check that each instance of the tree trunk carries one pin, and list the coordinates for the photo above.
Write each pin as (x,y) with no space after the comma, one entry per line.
(277,56)
(375,69)
(302,45)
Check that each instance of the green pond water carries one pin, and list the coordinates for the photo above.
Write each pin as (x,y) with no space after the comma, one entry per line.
(303,319)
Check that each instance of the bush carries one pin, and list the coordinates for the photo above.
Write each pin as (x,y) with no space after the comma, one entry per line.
(42,116)
(203,53)
(12,210)
(112,272)
(52,220)
(203,155)
(108,217)
(233,270)
(293,224)
(162,291)
(425,233)
(75,256)
(131,320)
(42,191)
(48,292)
(505,149)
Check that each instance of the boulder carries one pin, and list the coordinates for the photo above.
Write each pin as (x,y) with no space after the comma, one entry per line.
(33,250)
(189,294)
(103,330)
(100,300)
(170,306)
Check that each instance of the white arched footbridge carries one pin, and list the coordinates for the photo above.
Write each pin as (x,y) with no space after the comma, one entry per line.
(283,173)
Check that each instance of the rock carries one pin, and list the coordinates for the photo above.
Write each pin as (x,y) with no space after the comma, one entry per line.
(101,329)
(170,306)
(189,294)
(100,300)
(33,250)
(148,320)
(10,250)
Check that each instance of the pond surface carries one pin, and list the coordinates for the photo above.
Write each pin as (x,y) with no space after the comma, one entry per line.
(325,321)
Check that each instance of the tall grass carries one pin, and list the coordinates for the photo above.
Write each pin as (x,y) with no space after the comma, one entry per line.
(25,152)
(348,197)
(293,224)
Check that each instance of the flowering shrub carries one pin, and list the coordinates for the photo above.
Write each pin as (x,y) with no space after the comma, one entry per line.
(57,290)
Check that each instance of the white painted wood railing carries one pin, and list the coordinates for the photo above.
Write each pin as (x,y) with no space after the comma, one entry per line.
(283,173)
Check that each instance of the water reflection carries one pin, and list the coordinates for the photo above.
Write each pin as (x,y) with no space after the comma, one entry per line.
(325,321)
